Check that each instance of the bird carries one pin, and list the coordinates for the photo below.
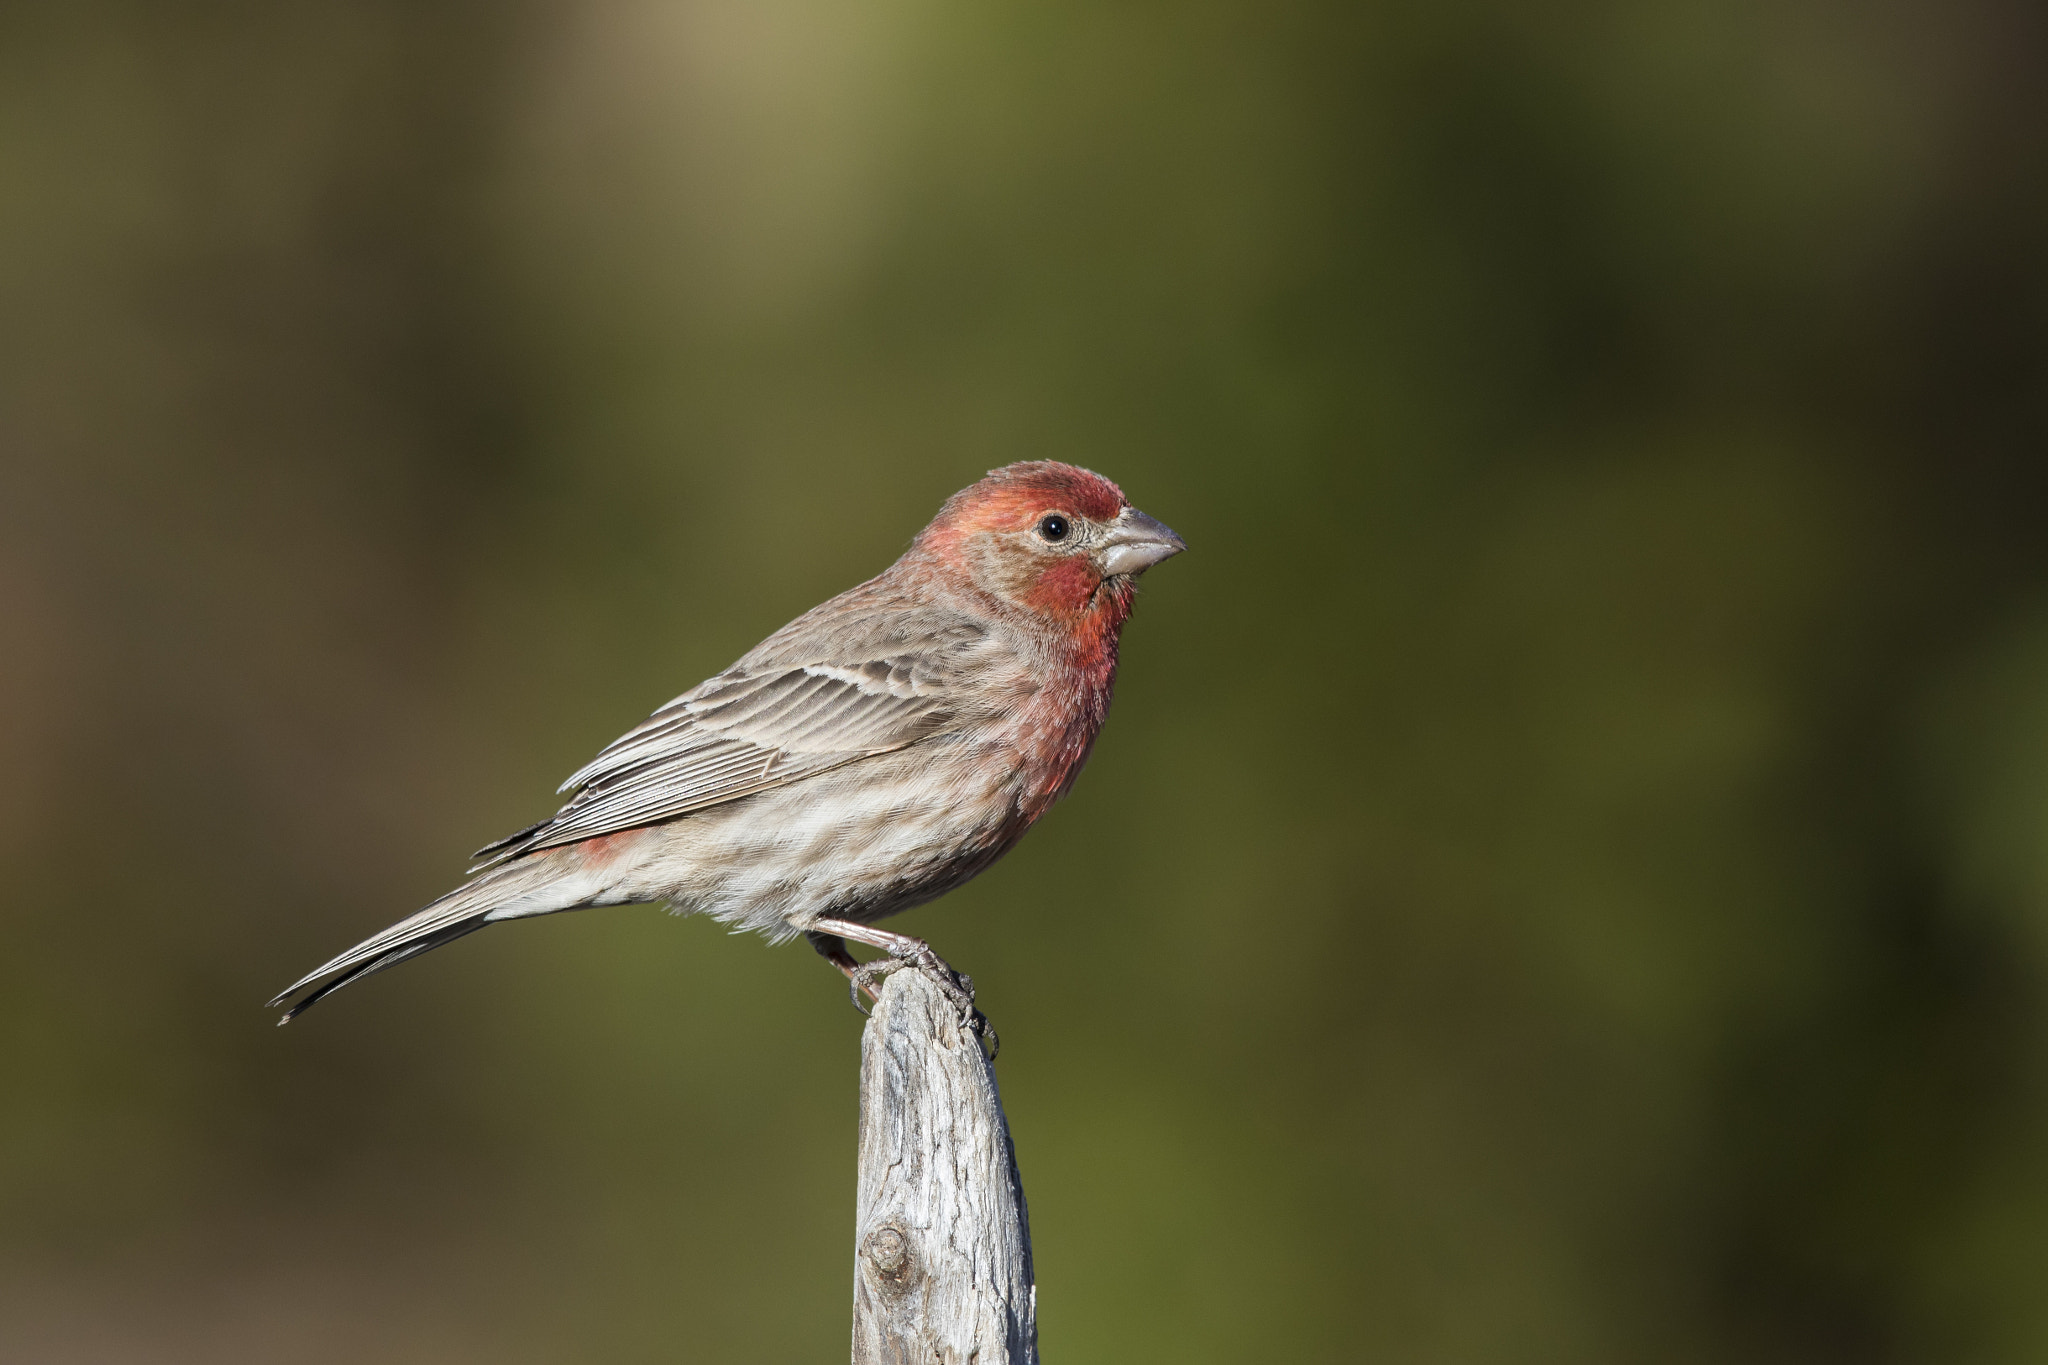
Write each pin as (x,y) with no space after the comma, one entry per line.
(880,750)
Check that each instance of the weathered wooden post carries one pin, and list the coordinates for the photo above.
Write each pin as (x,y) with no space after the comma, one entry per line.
(942,1250)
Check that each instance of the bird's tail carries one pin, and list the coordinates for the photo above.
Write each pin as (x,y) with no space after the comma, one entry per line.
(530,886)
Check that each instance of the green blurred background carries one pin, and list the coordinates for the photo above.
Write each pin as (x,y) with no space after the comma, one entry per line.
(1566,879)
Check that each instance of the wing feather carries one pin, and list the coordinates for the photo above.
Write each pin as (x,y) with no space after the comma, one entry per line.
(767,722)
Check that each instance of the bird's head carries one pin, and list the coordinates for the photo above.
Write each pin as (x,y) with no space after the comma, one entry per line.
(1048,537)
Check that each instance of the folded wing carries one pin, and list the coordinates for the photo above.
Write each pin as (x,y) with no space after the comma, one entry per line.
(762,725)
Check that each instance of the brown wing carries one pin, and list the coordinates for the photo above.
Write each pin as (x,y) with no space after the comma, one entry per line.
(758,726)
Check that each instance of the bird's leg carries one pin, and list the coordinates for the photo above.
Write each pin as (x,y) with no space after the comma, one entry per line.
(832,948)
(905,951)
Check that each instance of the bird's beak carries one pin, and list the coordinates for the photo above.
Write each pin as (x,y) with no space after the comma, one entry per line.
(1135,543)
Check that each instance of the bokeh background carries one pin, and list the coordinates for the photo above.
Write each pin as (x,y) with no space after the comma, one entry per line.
(1566,879)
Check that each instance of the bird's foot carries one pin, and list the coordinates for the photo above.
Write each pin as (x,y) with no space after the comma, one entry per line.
(903,951)
(867,979)
(956,986)
(860,980)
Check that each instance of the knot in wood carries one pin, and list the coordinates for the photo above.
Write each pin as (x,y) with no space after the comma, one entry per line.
(888,1254)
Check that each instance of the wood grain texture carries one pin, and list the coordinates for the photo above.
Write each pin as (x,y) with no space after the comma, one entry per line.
(942,1252)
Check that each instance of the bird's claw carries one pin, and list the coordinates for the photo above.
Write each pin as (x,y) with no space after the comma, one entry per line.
(956,986)
(869,977)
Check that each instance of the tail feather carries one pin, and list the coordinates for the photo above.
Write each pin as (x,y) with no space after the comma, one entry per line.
(425,944)
(464,910)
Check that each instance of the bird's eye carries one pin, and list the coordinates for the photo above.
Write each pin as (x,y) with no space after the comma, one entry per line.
(1053,527)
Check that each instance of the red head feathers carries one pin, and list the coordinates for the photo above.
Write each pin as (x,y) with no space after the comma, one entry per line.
(1059,541)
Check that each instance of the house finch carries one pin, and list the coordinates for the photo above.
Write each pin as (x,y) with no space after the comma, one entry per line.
(871,755)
